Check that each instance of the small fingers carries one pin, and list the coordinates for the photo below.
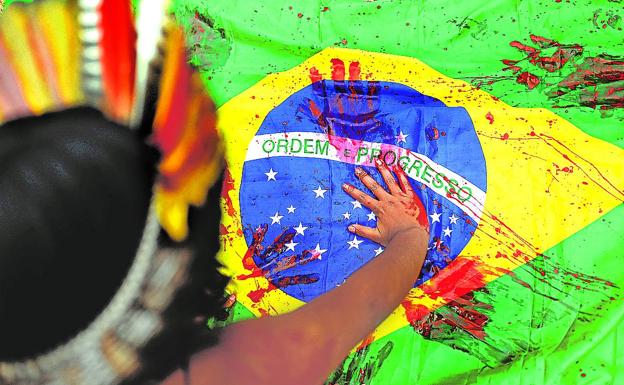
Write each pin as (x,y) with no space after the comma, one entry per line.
(361,196)
(387,176)
(366,232)
(371,183)
(403,181)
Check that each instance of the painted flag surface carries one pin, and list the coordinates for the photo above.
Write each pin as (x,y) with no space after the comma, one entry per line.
(508,118)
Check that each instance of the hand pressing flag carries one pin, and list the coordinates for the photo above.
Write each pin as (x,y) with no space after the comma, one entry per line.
(524,205)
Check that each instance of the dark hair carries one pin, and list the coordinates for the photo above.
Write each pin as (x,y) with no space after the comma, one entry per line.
(74,194)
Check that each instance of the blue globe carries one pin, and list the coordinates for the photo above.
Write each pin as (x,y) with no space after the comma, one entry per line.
(291,182)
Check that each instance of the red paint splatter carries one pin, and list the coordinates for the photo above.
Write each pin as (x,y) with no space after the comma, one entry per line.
(433,134)
(416,204)
(338,69)
(464,313)
(490,117)
(315,76)
(300,15)
(505,136)
(354,71)
(268,261)
(565,170)
(452,283)
(596,82)
(414,312)
(226,188)
(529,79)
(550,63)
(510,66)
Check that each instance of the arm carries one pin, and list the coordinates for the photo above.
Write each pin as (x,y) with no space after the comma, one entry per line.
(304,346)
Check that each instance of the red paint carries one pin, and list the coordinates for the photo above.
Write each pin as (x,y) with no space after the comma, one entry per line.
(416,204)
(490,117)
(300,15)
(511,65)
(523,47)
(338,69)
(268,268)
(465,314)
(435,135)
(566,170)
(544,42)
(529,79)
(315,76)
(347,148)
(354,71)
(505,136)
(255,248)
(256,295)
(226,236)
(226,189)
(603,182)
(549,63)
(597,78)
(414,312)
(459,278)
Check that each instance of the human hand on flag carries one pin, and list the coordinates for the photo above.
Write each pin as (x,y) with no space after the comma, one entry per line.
(398,210)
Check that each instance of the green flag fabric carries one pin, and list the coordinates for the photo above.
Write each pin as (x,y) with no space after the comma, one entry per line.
(564,56)
(555,319)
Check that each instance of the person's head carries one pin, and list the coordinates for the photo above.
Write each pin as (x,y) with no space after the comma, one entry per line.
(75,190)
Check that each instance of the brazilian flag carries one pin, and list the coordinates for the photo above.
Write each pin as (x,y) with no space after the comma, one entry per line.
(509,118)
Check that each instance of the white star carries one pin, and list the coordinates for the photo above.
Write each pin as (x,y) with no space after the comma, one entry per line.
(347,215)
(447,232)
(435,217)
(318,251)
(291,209)
(378,251)
(371,216)
(320,193)
(453,218)
(290,246)
(276,218)
(300,229)
(401,137)
(270,175)
(355,243)
(356,205)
